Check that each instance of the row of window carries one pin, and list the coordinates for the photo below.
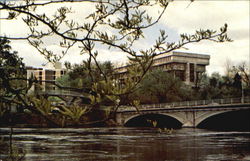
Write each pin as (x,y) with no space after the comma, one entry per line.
(52,72)
(162,60)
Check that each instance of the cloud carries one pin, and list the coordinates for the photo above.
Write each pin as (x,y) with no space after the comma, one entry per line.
(212,15)
(30,55)
(209,14)
(237,51)
(178,19)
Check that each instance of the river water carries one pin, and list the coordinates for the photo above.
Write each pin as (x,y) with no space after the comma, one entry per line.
(127,144)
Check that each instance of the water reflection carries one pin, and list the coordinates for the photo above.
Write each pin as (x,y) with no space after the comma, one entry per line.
(135,144)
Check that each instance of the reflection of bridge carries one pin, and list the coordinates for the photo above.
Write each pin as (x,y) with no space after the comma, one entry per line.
(189,114)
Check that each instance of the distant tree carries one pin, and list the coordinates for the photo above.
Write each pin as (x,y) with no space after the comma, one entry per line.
(219,86)
(210,87)
(12,74)
(237,81)
(245,76)
(79,76)
(238,77)
(243,70)
(65,81)
(228,67)
(159,86)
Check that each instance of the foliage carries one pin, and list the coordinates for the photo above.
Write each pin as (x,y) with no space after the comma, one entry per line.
(242,69)
(239,77)
(74,113)
(14,91)
(217,86)
(127,26)
(13,81)
(113,25)
(242,73)
(79,76)
(161,86)
(42,105)
(12,71)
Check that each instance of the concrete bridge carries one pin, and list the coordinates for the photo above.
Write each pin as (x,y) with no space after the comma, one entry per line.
(188,114)
(69,97)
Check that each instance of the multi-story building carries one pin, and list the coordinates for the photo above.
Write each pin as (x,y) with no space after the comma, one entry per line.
(46,77)
(187,66)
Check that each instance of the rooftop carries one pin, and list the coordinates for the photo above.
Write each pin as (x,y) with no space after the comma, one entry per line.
(178,54)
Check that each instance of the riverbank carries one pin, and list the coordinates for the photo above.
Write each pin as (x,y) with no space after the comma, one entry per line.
(29,120)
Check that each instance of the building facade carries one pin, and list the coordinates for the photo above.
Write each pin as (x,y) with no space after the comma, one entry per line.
(186,66)
(43,75)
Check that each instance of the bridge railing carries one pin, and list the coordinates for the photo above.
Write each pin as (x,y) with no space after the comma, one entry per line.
(59,92)
(212,102)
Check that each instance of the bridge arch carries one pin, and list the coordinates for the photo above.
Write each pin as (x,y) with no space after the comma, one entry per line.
(225,120)
(206,115)
(146,120)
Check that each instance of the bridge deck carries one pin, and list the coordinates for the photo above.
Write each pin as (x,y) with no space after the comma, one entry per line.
(200,104)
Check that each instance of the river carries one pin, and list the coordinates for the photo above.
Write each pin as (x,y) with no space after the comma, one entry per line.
(128,144)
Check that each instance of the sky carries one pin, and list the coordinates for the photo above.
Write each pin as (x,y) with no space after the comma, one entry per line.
(180,17)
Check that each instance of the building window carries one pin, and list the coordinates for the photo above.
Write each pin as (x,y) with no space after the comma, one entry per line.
(191,72)
(180,74)
(62,72)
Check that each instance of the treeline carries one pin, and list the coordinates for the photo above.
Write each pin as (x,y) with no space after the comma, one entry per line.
(159,86)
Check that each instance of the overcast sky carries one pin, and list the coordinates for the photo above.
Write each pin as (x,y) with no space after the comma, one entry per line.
(178,19)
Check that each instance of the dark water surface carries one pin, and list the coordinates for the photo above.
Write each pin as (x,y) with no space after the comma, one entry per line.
(128,144)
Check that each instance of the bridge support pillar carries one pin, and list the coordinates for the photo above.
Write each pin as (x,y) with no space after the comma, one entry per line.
(119,119)
(189,119)
(188,124)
